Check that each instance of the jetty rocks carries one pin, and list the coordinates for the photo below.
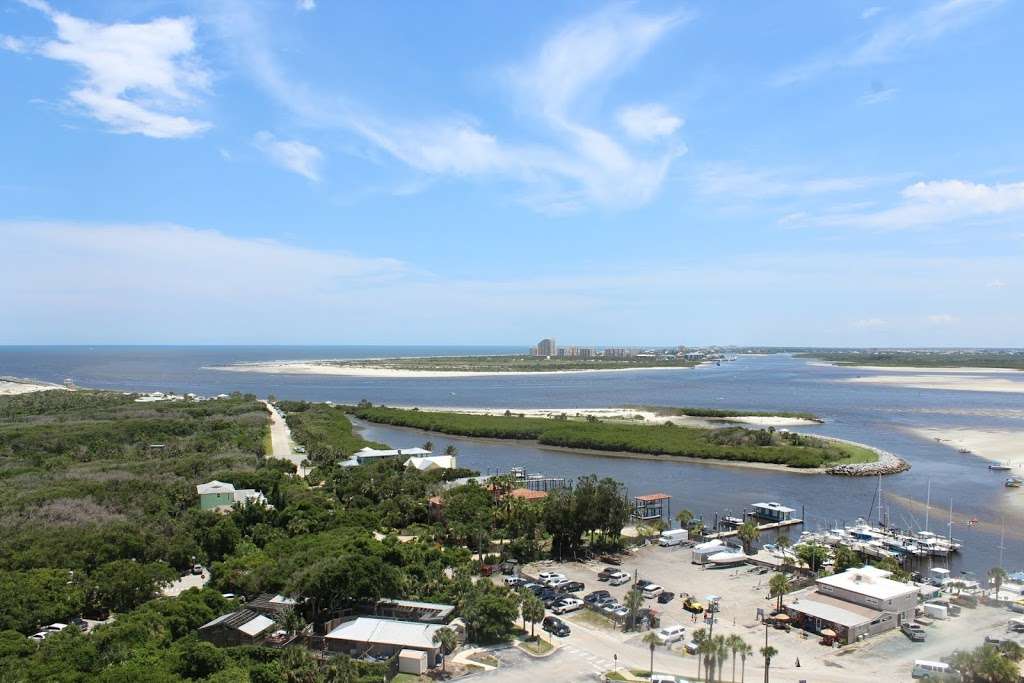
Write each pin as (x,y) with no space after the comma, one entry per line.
(887,463)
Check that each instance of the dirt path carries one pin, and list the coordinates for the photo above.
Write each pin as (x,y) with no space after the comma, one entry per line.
(281,443)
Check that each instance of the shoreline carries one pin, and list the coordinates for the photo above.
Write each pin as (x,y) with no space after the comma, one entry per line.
(13,386)
(626,415)
(664,457)
(991,445)
(312,368)
(994,380)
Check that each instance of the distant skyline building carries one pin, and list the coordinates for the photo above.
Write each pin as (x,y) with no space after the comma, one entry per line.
(546,347)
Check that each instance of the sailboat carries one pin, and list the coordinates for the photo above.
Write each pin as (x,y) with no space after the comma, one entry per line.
(999,467)
(1013,482)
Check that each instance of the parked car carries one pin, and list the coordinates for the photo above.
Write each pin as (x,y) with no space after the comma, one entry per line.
(664,678)
(618,579)
(80,623)
(545,577)
(607,572)
(197,569)
(549,597)
(611,559)
(652,590)
(515,581)
(56,627)
(534,588)
(995,640)
(573,587)
(567,605)
(643,583)
(555,626)
(609,607)
(593,598)
(622,612)
(558,584)
(914,632)
(666,597)
(39,637)
(691,605)
(670,634)
(692,647)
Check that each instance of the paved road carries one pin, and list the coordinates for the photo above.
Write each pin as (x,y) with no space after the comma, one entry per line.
(181,585)
(281,443)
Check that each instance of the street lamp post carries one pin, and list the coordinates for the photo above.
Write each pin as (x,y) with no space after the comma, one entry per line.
(765,647)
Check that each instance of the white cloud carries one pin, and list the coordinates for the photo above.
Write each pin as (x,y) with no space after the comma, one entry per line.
(932,203)
(13,44)
(293,155)
(878,96)
(996,284)
(738,181)
(306,5)
(573,165)
(942,319)
(892,39)
(869,323)
(870,12)
(648,121)
(137,77)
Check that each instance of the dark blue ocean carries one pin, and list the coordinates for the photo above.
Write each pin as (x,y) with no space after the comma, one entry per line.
(874,414)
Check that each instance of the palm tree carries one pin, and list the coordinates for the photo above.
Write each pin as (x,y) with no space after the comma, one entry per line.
(783,543)
(634,600)
(428,445)
(292,621)
(748,533)
(446,638)
(768,652)
(451,450)
(706,651)
(700,636)
(684,517)
(720,651)
(996,576)
(735,644)
(533,611)
(778,586)
(651,639)
(745,652)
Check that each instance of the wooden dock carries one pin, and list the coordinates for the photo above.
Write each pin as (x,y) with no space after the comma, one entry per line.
(760,527)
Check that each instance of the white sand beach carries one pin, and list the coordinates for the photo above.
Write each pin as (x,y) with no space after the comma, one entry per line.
(630,414)
(1000,380)
(997,445)
(313,368)
(10,386)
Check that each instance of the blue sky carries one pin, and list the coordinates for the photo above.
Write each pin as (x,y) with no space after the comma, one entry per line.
(845,173)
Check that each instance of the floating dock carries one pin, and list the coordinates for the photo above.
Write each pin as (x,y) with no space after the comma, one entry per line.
(760,527)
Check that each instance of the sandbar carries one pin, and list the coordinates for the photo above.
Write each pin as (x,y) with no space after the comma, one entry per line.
(10,386)
(313,368)
(997,445)
(631,414)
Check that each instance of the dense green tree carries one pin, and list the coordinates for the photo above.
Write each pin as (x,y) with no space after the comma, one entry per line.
(490,612)
(122,585)
(778,586)
(38,597)
(813,555)
(532,610)
(748,533)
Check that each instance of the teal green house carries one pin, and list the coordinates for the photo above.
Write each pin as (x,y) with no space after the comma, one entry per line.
(215,494)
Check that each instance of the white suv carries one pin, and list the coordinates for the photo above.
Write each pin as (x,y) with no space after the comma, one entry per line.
(669,634)
(618,579)
(652,590)
(547,577)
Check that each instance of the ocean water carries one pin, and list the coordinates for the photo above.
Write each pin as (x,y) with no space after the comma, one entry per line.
(873,414)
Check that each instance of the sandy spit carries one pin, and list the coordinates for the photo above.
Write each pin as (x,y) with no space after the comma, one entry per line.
(9,386)
(306,368)
(945,381)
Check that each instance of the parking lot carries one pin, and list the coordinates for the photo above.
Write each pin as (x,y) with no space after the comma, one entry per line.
(743,592)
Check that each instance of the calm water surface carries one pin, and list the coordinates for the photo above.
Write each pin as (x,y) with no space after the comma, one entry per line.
(873,414)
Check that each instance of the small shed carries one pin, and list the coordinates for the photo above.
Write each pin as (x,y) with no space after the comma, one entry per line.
(652,506)
(412,662)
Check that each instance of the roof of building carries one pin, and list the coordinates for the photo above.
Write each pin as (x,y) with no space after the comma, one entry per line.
(245,620)
(827,608)
(375,453)
(429,462)
(268,602)
(652,497)
(215,487)
(527,494)
(773,506)
(386,632)
(420,611)
(867,583)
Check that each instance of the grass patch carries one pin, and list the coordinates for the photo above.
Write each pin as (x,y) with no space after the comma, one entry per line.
(854,454)
(322,429)
(538,646)
(669,411)
(590,618)
(484,658)
(731,443)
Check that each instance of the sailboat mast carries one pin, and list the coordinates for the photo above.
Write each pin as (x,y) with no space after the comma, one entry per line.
(1002,544)
(928,505)
(879,499)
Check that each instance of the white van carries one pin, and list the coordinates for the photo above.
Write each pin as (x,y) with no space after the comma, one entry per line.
(673,537)
(652,590)
(927,669)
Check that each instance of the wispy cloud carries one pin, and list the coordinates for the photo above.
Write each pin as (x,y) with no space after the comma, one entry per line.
(137,77)
(930,203)
(648,121)
(878,94)
(892,39)
(293,155)
(865,323)
(306,5)
(738,181)
(942,319)
(12,44)
(570,166)
(870,12)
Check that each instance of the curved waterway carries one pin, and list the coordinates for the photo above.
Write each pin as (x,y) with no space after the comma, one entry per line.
(874,414)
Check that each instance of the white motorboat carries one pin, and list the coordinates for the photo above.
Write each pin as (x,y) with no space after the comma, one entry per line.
(729,557)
